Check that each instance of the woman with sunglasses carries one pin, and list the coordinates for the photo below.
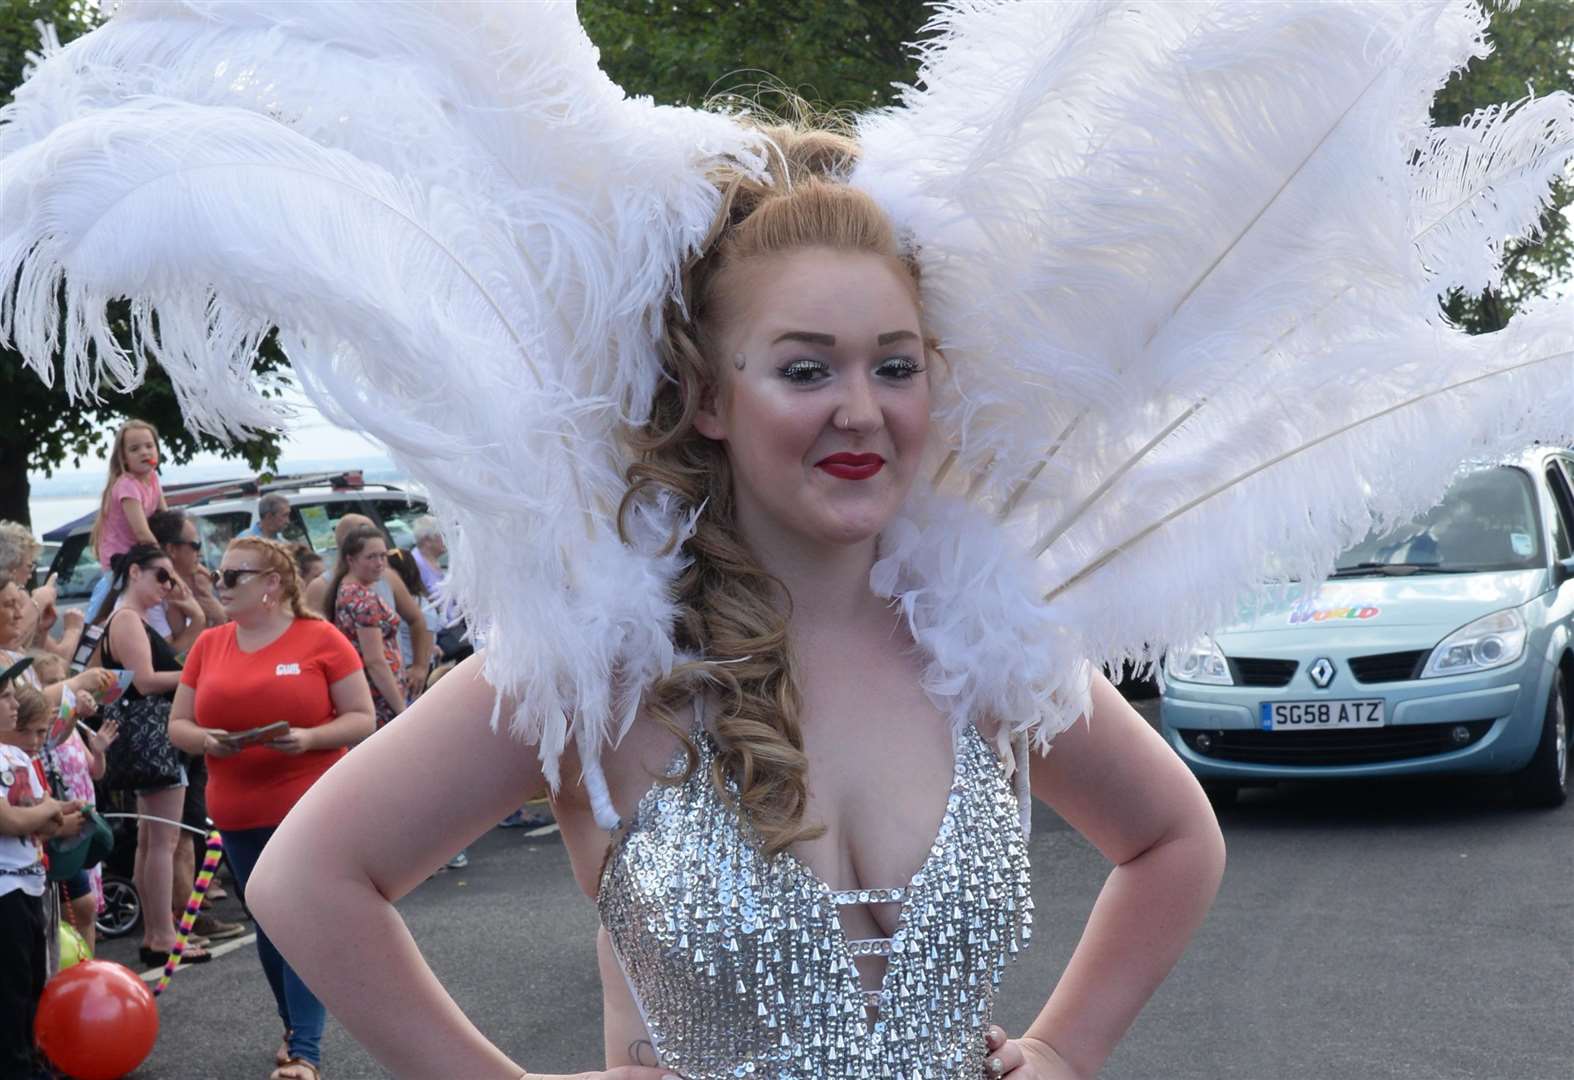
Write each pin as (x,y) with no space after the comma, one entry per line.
(143,580)
(273,660)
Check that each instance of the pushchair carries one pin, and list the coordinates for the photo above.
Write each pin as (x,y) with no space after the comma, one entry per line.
(122,903)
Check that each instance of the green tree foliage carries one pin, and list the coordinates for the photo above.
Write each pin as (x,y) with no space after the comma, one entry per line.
(40,427)
(850,53)
(1534,52)
(847,53)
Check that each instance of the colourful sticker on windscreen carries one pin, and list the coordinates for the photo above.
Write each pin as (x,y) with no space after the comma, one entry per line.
(1524,546)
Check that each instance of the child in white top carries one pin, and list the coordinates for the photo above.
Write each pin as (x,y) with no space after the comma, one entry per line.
(27,814)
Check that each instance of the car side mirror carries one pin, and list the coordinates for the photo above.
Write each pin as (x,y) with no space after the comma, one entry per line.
(1562,570)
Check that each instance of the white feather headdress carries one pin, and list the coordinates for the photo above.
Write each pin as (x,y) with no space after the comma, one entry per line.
(1183,260)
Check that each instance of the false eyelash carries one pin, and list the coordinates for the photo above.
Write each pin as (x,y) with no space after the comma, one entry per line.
(909,367)
(791,370)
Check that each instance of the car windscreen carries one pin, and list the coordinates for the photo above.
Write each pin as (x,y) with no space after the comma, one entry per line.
(399,517)
(1486,521)
(77,567)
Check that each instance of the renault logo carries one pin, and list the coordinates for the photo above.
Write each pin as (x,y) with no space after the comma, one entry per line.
(1322,672)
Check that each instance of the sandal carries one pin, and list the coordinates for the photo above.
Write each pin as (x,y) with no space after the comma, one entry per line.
(160,957)
(296,1069)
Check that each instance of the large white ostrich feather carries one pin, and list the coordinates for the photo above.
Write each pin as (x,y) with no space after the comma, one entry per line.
(1183,259)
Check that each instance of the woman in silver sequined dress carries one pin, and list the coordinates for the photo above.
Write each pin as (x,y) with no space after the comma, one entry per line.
(816,873)
(785,605)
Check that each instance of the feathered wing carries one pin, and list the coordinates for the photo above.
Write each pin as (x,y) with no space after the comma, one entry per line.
(1184,261)
(464,233)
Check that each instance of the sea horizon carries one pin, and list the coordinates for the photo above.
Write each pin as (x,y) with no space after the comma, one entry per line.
(68,495)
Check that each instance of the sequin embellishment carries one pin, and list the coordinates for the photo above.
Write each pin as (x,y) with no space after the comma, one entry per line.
(740,965)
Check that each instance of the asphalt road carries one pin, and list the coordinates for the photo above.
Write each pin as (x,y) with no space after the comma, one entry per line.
(1363,932)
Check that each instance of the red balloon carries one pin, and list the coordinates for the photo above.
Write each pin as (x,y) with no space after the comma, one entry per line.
(96,1021)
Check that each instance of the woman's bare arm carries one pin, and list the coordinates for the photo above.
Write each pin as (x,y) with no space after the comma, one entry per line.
(408,608)
(1115,781)
(128,641)
(623,1030)
(369,642)
(355,717)
(382,819)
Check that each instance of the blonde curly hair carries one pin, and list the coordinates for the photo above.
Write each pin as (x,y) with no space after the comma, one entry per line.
(732,613)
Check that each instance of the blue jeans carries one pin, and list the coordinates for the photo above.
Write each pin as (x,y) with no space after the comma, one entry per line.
(303,1015)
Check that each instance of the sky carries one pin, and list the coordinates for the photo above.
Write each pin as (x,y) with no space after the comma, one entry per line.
(310,437)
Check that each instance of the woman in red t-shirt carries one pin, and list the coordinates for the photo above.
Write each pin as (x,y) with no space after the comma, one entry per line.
(273,661)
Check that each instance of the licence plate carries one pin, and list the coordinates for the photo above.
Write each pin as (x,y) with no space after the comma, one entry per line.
(1320,715)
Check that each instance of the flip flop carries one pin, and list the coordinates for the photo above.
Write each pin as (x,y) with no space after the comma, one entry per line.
(160,957)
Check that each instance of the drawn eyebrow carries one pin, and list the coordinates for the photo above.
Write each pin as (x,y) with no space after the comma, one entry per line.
(830,339)
(808,336)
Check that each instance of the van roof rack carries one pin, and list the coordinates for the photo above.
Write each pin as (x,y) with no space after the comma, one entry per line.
(202,492)
(213,491)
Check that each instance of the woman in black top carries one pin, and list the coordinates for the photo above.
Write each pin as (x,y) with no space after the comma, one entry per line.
(144,578)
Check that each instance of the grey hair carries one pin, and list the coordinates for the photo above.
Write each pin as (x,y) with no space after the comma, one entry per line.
(272,502)
(426,527)
(18,547)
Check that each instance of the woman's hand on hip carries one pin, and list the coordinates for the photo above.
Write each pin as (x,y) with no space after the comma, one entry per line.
(294,741)
(1024,1059)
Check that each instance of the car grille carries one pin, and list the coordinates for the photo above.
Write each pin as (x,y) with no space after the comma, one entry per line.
(1256,671)
(1388,667)
(1335,747)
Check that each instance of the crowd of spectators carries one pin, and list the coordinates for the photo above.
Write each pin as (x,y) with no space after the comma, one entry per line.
(204,653)
(214,697)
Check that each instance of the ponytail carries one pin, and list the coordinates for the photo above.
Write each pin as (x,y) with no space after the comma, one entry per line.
(120,575)
(349,547)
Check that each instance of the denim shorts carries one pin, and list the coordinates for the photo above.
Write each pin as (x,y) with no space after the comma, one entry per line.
(80,885)
(182,782)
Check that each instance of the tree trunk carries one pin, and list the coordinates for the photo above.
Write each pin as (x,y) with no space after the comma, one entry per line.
(14,485)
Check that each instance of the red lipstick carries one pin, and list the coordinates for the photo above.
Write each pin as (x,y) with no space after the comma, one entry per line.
(851,466)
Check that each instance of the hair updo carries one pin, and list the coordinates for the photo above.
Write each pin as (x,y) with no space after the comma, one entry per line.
(732,614)
(138,555)
(278,558)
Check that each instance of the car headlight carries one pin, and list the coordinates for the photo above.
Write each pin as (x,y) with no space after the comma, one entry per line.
(1492,641)
(1200,662)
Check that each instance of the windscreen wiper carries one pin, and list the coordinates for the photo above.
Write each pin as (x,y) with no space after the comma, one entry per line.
(1399,569)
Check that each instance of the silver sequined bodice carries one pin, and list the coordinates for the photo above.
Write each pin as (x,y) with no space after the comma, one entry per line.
(740,966)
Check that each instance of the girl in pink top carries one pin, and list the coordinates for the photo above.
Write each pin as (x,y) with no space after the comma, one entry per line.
(131,494)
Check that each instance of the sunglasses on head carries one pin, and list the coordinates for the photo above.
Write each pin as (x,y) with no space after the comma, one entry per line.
(231,578)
